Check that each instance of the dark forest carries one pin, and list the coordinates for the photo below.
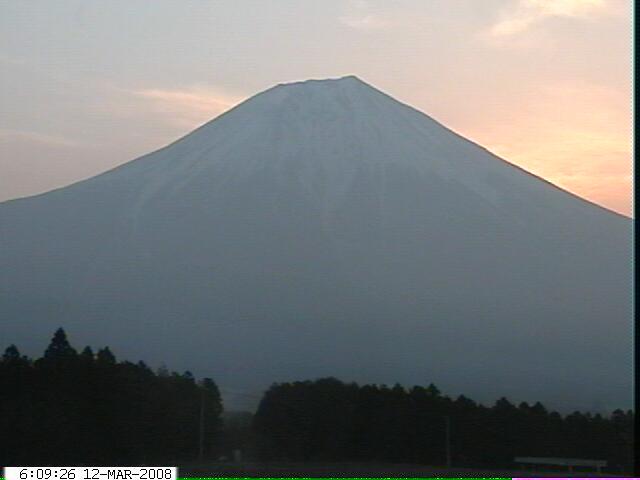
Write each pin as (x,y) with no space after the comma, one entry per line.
(70,408)
(90,409)
(327,420)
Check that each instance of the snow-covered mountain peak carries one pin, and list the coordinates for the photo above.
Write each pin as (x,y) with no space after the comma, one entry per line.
(325,132)
(323,228)
(311,131)
(338,94)
(347,80)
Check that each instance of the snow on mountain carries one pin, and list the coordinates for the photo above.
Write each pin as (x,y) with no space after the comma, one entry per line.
(323,228)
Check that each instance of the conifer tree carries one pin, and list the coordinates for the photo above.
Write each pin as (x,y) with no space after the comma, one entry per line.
(11,354)
(105,356)
(87,354)
(59,348)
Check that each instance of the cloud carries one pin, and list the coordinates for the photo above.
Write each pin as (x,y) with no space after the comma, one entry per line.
(526,13)
(10,60)
(360,17)
(161,112)
(577,136)
(367,22)
(9,135)
(187,107)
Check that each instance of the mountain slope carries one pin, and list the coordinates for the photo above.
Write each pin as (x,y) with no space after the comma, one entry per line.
(323,228)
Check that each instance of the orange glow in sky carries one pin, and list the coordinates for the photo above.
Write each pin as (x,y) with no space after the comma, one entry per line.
(545,84)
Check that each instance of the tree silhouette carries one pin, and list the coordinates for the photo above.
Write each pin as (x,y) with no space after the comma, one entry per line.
(327,420)
(87,355)
(105,356)
(59,348)
(77,409)
(69,408)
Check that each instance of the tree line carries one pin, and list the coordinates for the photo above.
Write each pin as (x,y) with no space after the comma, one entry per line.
(70,408)
(328,420)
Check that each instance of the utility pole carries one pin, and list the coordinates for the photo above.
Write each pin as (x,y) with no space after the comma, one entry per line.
(447,422)
(201,439)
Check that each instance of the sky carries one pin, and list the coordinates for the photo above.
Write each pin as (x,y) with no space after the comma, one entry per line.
(544,84)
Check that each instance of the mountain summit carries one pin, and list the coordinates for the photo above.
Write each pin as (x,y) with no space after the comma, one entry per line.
(323,228)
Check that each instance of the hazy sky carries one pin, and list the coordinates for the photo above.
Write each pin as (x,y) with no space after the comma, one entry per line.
(86,85)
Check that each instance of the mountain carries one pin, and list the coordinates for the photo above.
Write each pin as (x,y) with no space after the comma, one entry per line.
(323,228)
